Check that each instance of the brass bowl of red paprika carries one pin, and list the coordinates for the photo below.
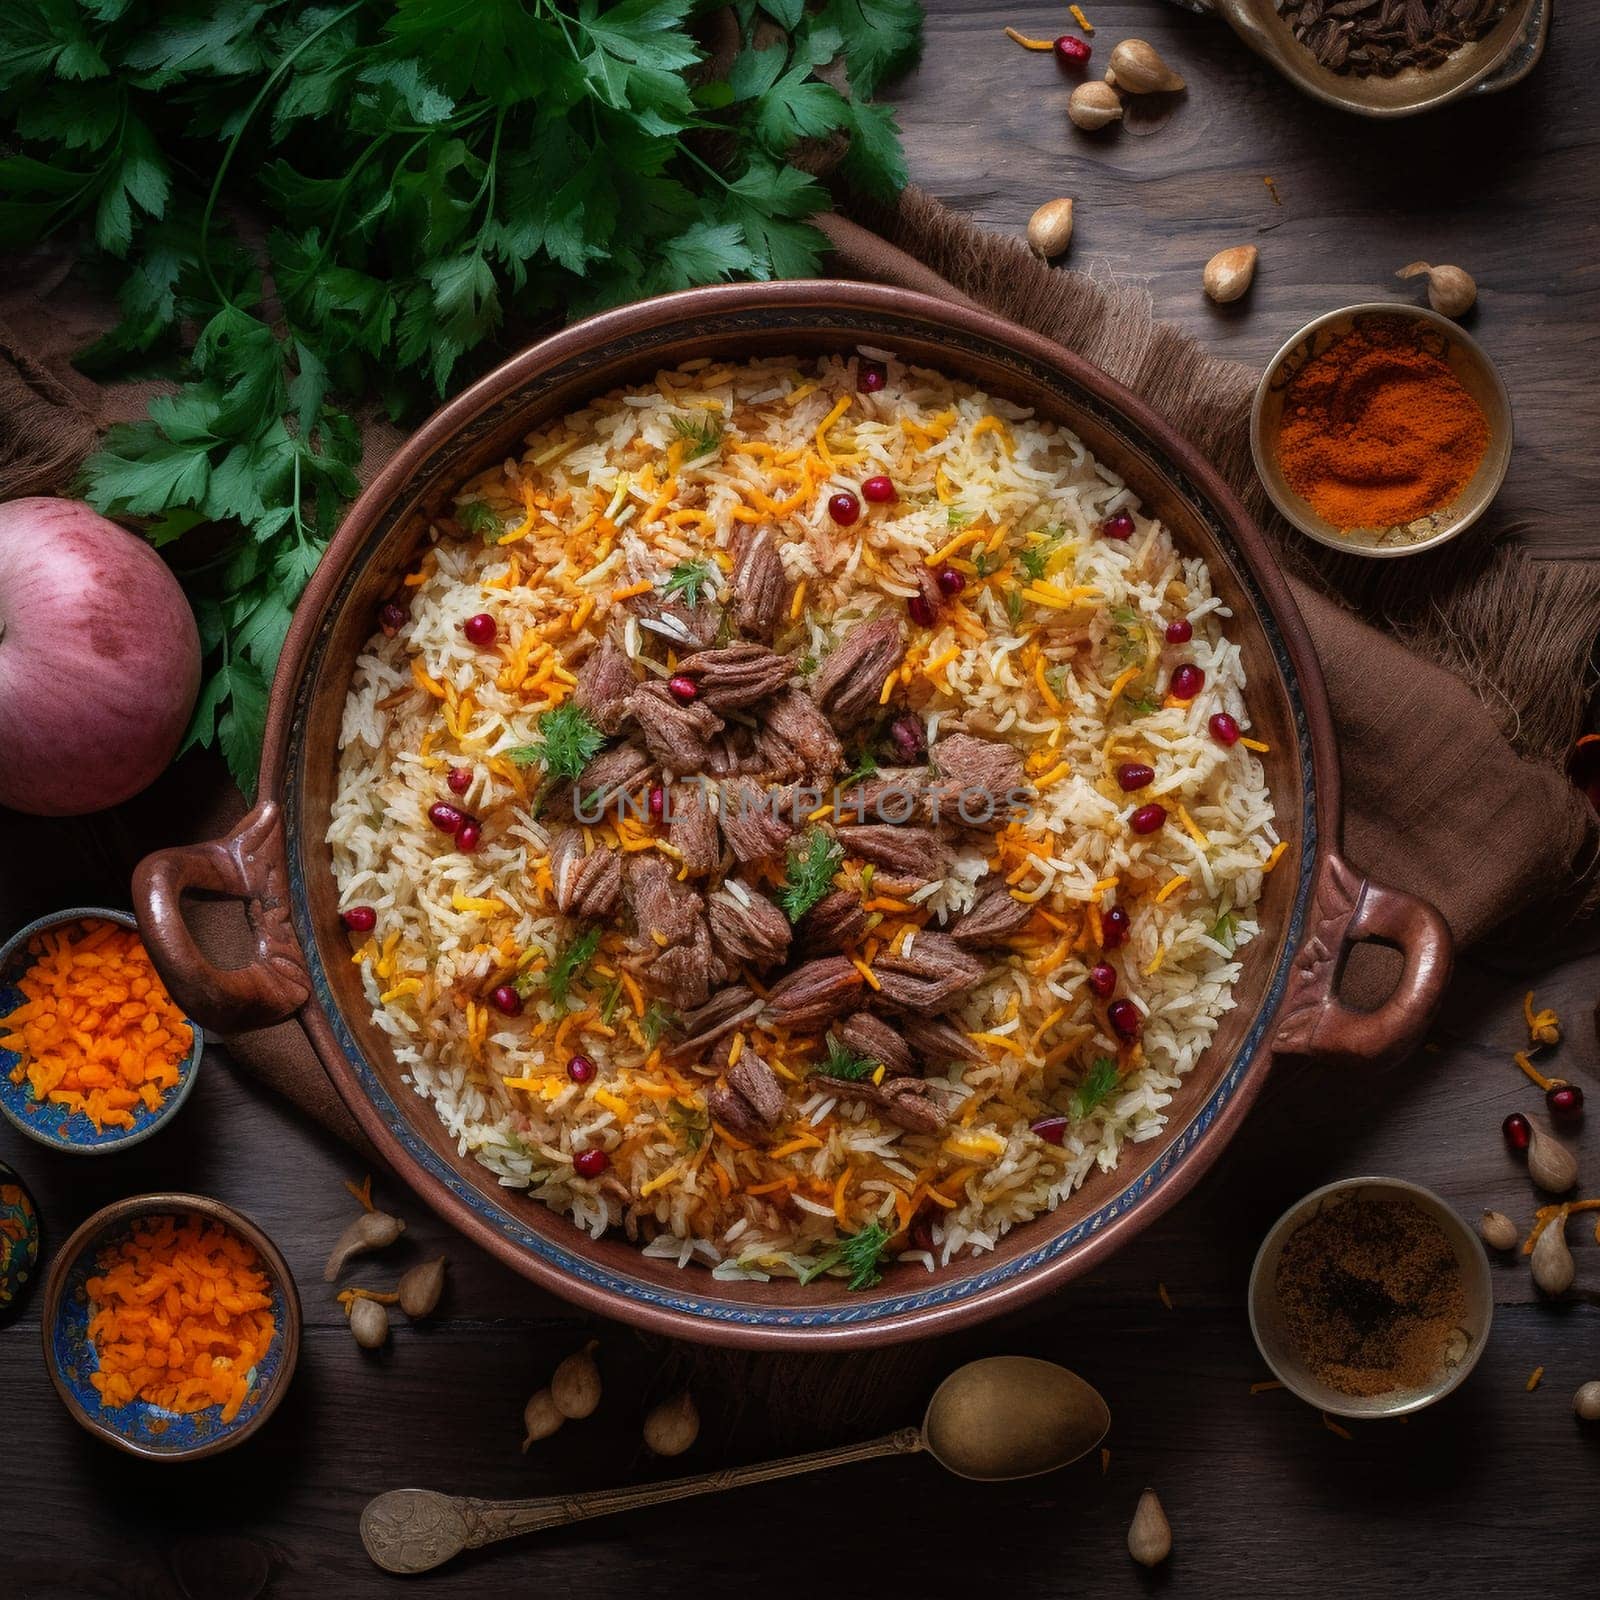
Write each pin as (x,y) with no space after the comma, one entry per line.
(1381,430)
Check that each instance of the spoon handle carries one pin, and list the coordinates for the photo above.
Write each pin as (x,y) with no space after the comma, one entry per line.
(492,1520)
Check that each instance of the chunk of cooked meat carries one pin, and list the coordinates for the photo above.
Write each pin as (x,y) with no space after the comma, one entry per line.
(749,1099)
(913,852)
(737,675)
(585,885)
(605,680)
(974,780)
(609,777)
(938,1041)
(851,678)
(794,740)
(932,977)
(692,828)
(873,1038)
(995,918)
(909,1103)
(814,994)
(677,735)
(730,752)
(755,821)
(726,1010)
(894,795)
(834,923)
(669,624)
(671,946)
(760,587)
(746,928)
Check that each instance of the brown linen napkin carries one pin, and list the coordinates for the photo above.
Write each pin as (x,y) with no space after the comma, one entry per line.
(1438,800)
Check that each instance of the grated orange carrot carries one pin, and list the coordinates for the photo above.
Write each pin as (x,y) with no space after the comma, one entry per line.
(97,1032)
(180,1318)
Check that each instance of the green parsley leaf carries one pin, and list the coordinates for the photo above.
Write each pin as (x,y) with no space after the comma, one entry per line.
(866,767)
(956,518)
(841,1062)
(810,873)
(477,518)
(1143,706)
(567,742)
(690,1122)
(656,1021)
(571,963)
(1099,1084)
(690,580)
(806,665)
(1225,930)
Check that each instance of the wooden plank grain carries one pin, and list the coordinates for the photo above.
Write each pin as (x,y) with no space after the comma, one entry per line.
(1507,186)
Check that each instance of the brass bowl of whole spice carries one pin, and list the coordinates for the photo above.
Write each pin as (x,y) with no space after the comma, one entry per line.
(1371,1298)
(1381,430)
(1393,58)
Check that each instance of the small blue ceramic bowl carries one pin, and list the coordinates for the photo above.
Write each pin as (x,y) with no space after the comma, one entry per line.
(140,1428)
(21,1242)
(50,1125)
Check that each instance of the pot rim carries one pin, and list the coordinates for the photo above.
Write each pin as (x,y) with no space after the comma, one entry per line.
(979,1295)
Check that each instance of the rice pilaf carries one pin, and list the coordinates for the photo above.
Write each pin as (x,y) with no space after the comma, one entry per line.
(1050,639)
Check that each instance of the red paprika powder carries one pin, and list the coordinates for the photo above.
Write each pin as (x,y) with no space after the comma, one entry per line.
(1377,430)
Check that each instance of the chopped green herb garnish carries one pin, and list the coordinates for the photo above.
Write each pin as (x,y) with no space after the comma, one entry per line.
(810,872)
(957,518)
(806,666)
(1098,1085)
(567,742)
(656,1020)
(702,435)
(689,1121)
(866,767)
(1057,677)
(1035,555)
(476,517)
(1014,606)
(980,563)
(842,1062)
(608,1006)
(689,580)
(1143,706)
(1225,930)
(571,963)
(860,1254)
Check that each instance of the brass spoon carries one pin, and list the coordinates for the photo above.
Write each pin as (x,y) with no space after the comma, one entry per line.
(1003,1417)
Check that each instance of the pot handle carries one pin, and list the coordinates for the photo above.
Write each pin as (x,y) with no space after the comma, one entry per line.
(1346,909)
(247,865)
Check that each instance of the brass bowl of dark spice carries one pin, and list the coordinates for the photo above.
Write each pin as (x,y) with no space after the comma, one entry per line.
(1371,1298)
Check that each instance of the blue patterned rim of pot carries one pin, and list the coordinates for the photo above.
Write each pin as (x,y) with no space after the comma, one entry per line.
(140,1428)
(21,1243)
(73,1131)
(696,1299)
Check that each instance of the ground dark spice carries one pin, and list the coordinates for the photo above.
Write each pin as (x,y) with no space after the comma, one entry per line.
(1371,1295)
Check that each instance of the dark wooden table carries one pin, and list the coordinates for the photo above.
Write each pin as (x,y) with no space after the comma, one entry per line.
(1492,1492)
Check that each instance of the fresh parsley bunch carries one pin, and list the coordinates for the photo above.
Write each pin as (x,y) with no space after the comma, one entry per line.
(308,207)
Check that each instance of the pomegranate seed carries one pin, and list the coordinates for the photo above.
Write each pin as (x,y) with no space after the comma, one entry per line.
(921,611)
(1224,729)
(468,835)
(880,490)
(657,802)
(950,581)
(921,1234)
(1518,1131)
(359,919)
(1051,1129)
(580,1069)
(844,508)
(1565,1102)
(392,617)
(1135,775)
(871,376)
(909,738)
(1180,632)
(1148,818)
(590,1163)
(446,817)
(506,999)
(682,689)
(1187,681)
(1114,929)
(480,629)
(460,780)
(1119,526)
(1125,1020)
(1103,979)
(1071,53)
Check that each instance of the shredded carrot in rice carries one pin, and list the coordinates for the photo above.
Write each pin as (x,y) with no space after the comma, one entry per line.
(181,1317)
(96,1032)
